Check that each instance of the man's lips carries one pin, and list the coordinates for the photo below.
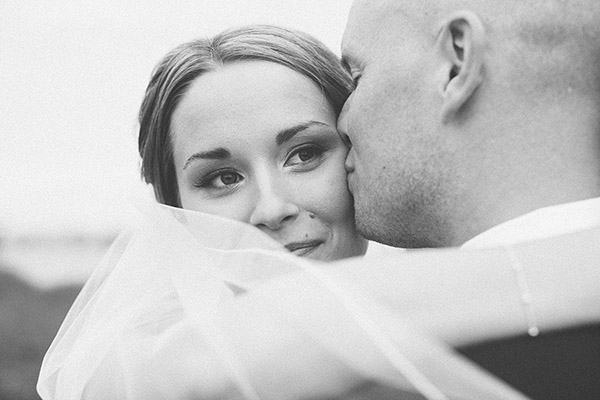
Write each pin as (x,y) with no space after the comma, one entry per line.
(302,248)
(349,179)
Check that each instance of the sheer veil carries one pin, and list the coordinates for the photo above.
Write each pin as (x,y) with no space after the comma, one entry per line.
(164,317)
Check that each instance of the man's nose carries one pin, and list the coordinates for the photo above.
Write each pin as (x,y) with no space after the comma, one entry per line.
(349,163)
(273,206)
(342,124)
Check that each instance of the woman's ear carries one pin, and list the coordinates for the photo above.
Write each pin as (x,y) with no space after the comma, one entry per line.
(461,44)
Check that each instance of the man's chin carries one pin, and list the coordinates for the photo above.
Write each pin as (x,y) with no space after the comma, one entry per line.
(369,227)
(374,226)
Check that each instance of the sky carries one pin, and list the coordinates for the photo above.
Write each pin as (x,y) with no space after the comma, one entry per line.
(72,77)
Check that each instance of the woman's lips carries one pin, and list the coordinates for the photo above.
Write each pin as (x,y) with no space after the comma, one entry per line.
(303,248)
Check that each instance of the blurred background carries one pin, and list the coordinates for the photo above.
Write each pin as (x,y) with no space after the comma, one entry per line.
(72,76)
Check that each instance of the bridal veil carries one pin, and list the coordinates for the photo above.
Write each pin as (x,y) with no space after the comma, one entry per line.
(163,317)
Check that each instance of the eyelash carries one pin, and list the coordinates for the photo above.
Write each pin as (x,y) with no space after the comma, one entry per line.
(317,152)
(207,181)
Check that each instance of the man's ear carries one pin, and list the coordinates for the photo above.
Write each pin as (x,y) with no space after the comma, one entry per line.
(461,43)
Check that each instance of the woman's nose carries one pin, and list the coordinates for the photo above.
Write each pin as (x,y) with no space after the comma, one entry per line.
(272,209)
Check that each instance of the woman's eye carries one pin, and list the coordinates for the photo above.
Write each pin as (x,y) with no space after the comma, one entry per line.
(229,178)
(304,155)
(355,80)
(220,180)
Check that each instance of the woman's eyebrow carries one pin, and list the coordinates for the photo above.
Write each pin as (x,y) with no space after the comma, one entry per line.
(286,134)
(219,153)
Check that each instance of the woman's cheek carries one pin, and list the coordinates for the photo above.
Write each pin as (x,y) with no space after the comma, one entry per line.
(236,206)
(336,196)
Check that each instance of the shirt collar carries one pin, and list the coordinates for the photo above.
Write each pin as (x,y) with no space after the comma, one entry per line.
(541,223)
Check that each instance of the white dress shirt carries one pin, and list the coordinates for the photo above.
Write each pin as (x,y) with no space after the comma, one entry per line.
(542,223)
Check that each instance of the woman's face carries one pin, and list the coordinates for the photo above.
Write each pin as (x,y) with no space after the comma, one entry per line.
(257,142)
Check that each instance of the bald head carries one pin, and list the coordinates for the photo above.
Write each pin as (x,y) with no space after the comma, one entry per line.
(474,112)
(569,11)
(556,42)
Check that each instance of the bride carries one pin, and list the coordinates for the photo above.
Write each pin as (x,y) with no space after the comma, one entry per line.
(217,294)
(244,127)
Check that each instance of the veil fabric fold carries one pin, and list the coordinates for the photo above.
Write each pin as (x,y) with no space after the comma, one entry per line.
(171,313)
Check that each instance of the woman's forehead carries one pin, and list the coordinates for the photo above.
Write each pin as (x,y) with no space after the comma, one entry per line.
(245,98)
(243,83)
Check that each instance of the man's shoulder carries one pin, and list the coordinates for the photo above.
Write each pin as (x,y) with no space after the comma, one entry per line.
(555,365)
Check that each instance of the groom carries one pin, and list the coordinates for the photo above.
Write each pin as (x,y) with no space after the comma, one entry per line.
(478,124)
(473,124)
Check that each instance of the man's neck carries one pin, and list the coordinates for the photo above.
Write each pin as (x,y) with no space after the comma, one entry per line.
(541,223)
(512,202)
(552,158)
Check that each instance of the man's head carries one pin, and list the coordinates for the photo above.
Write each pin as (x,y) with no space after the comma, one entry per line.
(469,113)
